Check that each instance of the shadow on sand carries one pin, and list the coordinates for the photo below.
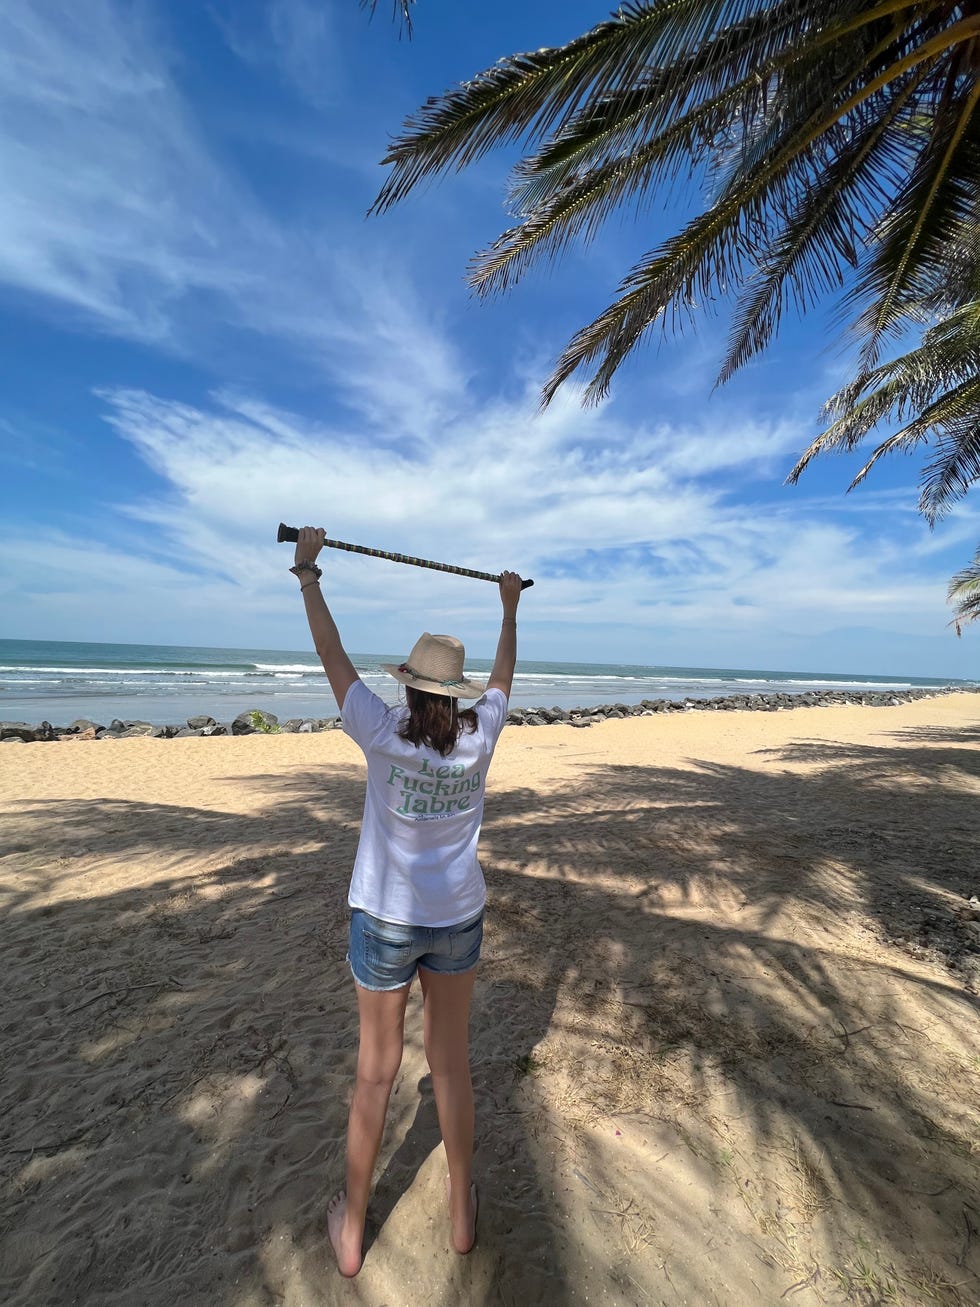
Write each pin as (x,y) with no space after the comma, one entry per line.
(177,1055)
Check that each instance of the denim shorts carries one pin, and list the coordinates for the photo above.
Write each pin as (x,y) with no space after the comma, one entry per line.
(384,955)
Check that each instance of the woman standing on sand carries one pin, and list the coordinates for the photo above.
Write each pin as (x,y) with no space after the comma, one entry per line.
(417,892)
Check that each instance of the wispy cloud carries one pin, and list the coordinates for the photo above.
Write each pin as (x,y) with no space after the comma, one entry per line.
(653,552)
(120,215)
(611,528)
(294,38)
(118,208)
(114,206)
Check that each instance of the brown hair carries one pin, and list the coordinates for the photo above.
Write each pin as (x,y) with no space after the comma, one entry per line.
(435,720)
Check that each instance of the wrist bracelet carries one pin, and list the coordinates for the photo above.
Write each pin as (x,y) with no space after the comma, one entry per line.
(505,620)
(307,565)
(306,584)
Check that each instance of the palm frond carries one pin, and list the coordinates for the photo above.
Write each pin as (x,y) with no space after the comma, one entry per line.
(933,391)
(733,65)
(592,164)
(579,206)
(709,253)
(842,145)
(953,423)
(947,355)
(955,466)
(532,93)
(575,181)
(523,94)
(822,234)
(938,199)
(673,278)
(401,11)
(715,247)
(964,592)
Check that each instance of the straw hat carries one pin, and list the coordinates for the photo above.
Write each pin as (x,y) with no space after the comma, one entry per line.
(436,666)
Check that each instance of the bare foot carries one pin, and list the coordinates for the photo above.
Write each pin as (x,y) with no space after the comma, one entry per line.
(464,1222)
(347,1250)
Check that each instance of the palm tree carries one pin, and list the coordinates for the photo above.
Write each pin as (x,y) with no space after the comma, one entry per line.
(841,145)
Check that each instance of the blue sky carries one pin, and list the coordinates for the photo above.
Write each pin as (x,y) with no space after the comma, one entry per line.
(203,334)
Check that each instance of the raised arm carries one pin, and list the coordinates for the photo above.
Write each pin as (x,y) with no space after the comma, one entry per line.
(326,638)
(502,676)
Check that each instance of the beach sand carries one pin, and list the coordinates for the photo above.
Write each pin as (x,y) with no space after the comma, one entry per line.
(714,1063)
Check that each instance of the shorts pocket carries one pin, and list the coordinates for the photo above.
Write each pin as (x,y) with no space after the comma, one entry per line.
(383,952)
(466,942)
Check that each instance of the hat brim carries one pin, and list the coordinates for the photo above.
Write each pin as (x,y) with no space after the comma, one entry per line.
(464,689)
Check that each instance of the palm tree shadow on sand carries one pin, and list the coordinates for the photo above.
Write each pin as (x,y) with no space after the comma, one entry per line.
(807,1039)
(662,953)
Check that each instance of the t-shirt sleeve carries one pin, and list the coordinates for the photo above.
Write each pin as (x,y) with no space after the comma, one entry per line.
(492,712)
(363,714)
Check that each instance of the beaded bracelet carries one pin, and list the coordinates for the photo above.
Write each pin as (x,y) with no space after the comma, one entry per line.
(307,565)
(306,584)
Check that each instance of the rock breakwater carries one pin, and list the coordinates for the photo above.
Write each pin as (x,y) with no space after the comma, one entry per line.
(727,703)
(259,722)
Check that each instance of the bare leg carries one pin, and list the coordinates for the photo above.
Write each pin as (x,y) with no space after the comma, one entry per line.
(382,1017)
(447,1027)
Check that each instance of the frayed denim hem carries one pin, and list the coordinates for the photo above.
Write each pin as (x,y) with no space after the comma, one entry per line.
(378,989)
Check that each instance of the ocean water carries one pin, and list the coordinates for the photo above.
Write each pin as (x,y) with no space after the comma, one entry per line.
(56,681)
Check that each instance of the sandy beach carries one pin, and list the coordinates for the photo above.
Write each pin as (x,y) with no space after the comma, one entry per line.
(717,1059)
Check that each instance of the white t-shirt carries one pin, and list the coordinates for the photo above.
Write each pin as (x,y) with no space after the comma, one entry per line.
(416,859)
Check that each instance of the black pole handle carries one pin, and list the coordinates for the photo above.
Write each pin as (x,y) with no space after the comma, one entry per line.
(290,534)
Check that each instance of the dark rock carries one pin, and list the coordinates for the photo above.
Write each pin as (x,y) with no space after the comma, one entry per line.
(17,730)
(199,723)
(83,724)
(89,733)
(256,720)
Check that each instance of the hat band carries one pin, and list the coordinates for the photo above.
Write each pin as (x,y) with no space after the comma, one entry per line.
(419,676)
